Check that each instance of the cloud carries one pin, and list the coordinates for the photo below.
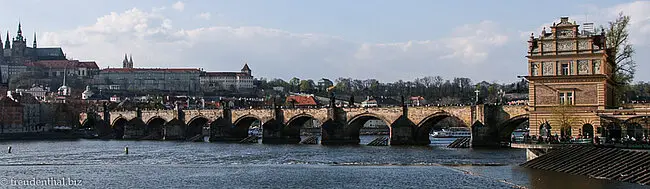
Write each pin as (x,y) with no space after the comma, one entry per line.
(179,6)
(205,16)
(154,42)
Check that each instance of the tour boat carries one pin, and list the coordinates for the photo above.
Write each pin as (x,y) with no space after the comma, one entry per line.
(452,132)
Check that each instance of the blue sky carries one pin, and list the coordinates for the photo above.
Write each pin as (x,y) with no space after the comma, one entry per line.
(387,40)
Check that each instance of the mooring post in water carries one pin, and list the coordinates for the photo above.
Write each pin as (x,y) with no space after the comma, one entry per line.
(9,149)
(126,150)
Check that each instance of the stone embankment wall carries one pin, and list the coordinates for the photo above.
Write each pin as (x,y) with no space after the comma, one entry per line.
(597,162)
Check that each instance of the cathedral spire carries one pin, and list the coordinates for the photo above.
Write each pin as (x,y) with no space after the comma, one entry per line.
(19,36)
(34,39)
(7,43)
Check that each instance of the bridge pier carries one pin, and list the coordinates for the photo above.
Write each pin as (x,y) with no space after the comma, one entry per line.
(402,132)
(174,130)
(334,129)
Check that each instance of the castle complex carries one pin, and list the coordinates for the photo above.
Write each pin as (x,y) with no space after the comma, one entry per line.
(17,57)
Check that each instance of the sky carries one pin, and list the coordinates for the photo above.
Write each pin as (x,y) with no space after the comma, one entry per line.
(380,39)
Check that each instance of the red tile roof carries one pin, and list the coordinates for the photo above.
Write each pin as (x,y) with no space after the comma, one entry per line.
(417,98)
(61,64)
(226,74)
(151,69)
(302,100)
(91,65)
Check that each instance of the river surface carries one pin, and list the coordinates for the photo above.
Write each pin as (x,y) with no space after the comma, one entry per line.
(167,164)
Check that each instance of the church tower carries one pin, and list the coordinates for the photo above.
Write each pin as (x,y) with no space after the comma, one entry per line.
(246,69)
(19,46)
(125,62)
(130,61)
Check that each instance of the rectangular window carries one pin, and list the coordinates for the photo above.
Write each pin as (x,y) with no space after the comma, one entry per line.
(533,68)
(566,98)
(565,69)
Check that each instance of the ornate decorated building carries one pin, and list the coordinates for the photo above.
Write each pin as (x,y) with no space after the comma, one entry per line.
(569,80)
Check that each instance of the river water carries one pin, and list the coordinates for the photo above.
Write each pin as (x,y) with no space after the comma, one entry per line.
(167,164)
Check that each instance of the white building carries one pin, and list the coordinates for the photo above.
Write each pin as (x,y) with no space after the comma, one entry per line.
(87,93)
(227,80)
(39,92)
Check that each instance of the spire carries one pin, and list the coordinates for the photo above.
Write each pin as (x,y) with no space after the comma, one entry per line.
(19,36)
(1,42)
(130,61)
(34,39)
(7,44)
(125,62)
(65,72)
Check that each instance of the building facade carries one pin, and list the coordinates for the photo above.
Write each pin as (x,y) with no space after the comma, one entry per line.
(16,53)
(11,120)
(243,80)
(570,80)
(149,79)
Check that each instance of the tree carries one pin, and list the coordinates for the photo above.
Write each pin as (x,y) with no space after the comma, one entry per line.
(620,55)
(294,82)
(564,117)
(306,86)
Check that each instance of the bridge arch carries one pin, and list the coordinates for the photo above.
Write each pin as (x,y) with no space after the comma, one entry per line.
(428,123)
(507,127)
(155,128)
(296,126)
(245,123)
(195,126)
(118,125)
(353,129)
(637,127)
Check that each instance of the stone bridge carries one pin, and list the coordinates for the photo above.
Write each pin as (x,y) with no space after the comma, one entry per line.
(490,124)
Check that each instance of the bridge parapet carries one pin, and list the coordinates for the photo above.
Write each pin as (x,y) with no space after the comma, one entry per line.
(387,114)
(263,114)
(167,115)
(210,115)
(128,115)
(515,110)
(319,114)
(418,114)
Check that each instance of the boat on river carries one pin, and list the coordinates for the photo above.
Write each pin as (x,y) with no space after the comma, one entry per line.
(452,132)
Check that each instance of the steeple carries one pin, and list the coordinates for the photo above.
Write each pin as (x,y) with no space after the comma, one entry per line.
(19,36)
(7,43)
(34,39)
(130,61)
(125,62)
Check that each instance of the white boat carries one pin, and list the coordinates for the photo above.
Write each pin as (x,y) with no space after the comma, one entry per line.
(452,132)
